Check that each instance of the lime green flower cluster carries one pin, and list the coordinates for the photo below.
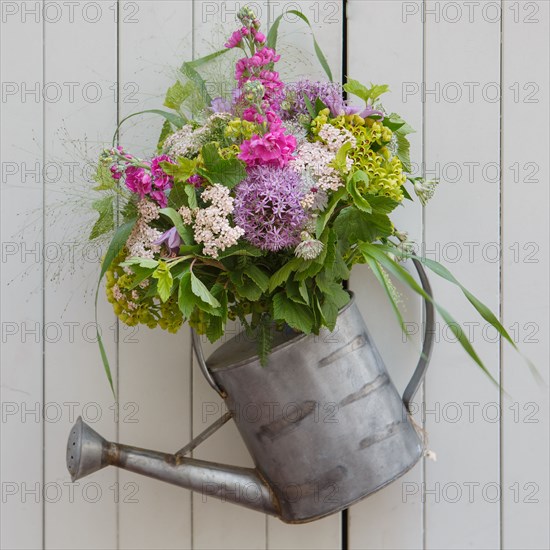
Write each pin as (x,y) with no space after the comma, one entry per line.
(238,130)
(131,302)
(371,153)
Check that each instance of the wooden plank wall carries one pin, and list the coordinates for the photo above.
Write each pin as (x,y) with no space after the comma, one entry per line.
(471,77)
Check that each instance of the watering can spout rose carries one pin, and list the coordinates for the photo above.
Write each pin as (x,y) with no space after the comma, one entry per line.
(323,422)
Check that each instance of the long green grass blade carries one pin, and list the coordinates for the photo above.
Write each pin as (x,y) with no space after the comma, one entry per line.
(274,31)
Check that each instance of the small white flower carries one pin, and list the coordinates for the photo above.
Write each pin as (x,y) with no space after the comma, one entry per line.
(309,249)
(425,190)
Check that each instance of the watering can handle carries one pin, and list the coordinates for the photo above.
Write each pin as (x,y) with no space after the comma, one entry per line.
(427,346)
(197,346)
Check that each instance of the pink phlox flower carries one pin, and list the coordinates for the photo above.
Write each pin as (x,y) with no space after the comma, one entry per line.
(274,148)
(139,181)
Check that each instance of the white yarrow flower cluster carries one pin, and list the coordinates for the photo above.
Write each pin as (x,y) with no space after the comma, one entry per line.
(141,239)
(211,225)
(335,138)
(182,143)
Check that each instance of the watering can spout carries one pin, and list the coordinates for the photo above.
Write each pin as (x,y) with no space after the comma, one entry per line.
(88,452)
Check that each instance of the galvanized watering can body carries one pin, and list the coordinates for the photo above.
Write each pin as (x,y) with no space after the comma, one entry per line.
(323,422)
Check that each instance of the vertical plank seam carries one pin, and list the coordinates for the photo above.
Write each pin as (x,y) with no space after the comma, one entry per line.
(43,274)
(117,322)
(423,508)
(191,349)
(501,275)
(345,516)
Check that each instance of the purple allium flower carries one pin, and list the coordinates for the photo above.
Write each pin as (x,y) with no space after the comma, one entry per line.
(330,93)
(171,239)
(220,105)
(268,208)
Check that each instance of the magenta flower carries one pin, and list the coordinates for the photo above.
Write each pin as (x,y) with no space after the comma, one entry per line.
(259,36)
(273,149)
(196,180)
(268,207)
(235,40)
(138,180)
(161,180)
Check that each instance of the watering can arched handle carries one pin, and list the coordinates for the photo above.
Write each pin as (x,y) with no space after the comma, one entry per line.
(427,346)
(199,353)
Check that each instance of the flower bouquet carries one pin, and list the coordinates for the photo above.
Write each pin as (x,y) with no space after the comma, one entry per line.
(257,204)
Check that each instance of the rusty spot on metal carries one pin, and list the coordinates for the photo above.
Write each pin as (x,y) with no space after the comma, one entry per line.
(378,382)
(357,343)
(287,423)
(389,431)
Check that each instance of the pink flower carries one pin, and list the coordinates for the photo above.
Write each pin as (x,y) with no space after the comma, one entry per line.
(259,36)
(235,40)
(138,180)
(274,148)
(159,197)
(161,179)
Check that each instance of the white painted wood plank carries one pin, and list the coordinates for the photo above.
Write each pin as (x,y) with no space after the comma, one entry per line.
(154,366)
(525,171)
(21,204)
(462,127)
(218,524)
(298,60)
(80,69)
(390,60)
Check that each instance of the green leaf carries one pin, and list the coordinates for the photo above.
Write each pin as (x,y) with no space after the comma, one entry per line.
(165,280)
(281,276)
(117,244)
(164,133)
(147,263)
(395,123)
(341,157)
(274,30)
(242,249)
(176,95)
(294,290)
(382,205)
(319,106)
(106,220)
(403,151)
(140,274)
(200,290)
(214,328)
(309,106)
(259,276)
(265,339)
(189,71)
(381,277)
(228,172)
(357,194)
(324,218)
(104,178)
(402,274)
(184,231)
(353,225)
(186,298)
(368,95)
(191,196)
(177,197)
(248,289)
(297,316)
(181,171)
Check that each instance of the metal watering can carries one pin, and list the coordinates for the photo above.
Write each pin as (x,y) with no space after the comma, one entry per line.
(323,423)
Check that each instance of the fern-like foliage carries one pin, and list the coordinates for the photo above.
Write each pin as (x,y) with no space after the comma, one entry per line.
(264,337)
